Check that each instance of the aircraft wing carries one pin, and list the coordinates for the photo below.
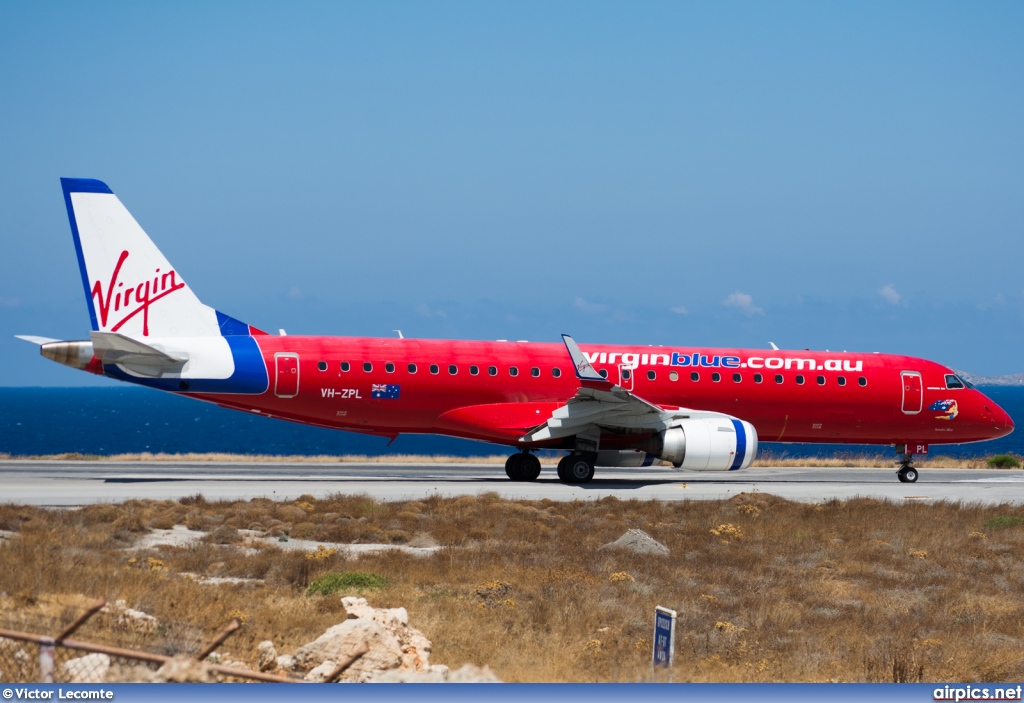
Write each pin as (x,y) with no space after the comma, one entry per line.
(600,404)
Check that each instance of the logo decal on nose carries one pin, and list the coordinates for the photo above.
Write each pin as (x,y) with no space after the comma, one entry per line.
(946,408)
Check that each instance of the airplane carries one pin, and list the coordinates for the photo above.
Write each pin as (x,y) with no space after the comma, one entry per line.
(695,408)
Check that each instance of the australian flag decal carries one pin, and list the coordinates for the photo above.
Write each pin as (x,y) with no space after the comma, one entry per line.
(385,390)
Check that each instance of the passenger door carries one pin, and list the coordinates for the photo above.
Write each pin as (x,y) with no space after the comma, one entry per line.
(286,383)
(913,392)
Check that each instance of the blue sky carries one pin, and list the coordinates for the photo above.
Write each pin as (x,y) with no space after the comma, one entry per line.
(822,175)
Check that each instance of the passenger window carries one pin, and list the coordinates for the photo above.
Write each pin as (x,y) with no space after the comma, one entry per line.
(694,376)
(492,370)
(626,373)
(799,380)
(604,373)
(556,372)
(513,371)
(841,380)
(953,382)
(345,366)
(434,368)
(453,369)
(474,370)
(862,381)
(758,378)
(535,372)
(412,368)
(389,367)
(367,366)
(778,378)
(716,377)
(673,376)
(322,365)
(821,380)
(651,375)
(736,378)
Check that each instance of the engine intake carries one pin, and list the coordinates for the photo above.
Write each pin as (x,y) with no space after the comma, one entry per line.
(705,444)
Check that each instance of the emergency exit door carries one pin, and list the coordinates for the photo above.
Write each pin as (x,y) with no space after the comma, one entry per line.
(286,383)
(626,377)
(913,392)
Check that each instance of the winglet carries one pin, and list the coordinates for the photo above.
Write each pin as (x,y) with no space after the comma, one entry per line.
(584,370)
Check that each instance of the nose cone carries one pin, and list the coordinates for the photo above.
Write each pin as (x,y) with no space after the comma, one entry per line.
(998,419)
(1003,421)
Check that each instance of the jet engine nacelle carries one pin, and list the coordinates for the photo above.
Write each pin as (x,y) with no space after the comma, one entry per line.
(705,444)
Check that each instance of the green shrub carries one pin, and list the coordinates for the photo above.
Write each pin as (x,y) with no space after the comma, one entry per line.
(1003,522)
(329,584)
(1004,461)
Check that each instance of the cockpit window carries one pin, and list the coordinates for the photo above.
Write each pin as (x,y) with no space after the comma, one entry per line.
(953,382)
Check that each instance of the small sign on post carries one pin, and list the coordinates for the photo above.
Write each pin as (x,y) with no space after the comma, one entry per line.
(664,636)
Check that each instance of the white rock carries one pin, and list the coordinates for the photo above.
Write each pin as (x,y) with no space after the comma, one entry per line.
(267,655)
(339,641)
(637,541)
(92,668)
(135,620)
(286,662)
(468,673)
(438,674)
(184,669)
(389,617)
(320,672)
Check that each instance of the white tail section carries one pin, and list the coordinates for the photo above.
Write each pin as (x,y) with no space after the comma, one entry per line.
(131,288)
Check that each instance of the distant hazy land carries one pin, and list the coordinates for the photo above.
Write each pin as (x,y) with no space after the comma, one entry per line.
(1015,379)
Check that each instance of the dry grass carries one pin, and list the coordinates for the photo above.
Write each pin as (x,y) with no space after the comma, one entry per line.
(766,589)
(764,460)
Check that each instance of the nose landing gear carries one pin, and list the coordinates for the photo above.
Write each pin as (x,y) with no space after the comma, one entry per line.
(907,473)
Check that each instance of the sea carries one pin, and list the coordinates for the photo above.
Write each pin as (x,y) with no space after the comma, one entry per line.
(105,421)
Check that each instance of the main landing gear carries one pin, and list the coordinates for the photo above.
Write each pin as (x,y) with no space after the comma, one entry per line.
(576,467)
(523,467)
(907,473)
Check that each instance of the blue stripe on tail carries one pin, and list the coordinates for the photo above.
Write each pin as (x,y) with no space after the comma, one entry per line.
(82,185)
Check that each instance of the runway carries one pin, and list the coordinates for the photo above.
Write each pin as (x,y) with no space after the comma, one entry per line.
(70,483)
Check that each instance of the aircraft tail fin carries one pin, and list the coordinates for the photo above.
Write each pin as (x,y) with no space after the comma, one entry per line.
(130,287)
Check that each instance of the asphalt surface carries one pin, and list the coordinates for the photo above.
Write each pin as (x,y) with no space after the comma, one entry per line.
(69,483)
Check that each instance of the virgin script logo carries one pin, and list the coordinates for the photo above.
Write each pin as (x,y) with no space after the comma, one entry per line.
(129,302)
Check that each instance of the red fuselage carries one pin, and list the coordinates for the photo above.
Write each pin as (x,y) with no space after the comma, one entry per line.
(496,391)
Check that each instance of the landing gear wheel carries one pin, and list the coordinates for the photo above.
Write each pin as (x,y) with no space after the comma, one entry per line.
(908,474)
(563,468)
(512,467)
(529,467)
(522,467)
(576,468)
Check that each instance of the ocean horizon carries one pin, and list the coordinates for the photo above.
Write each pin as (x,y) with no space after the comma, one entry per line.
(106,421)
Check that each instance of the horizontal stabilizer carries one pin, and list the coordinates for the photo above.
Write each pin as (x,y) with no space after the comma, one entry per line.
(36,340)
(115,348)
